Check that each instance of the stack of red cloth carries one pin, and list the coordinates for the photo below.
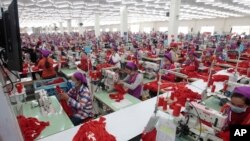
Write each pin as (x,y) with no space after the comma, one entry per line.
(99,67)
(35,68)
(84,65)
(95,75)
(220,78)
(152,86)
(94,131)
(182,93)
(119,95)
(31,127)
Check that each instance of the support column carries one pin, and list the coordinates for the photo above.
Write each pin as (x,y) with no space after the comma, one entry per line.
(124,22)
(69,25)
(97,25)
(80,27)
(61,27)
(173,20)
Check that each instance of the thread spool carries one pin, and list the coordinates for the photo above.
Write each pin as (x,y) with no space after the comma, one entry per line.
(161,101)
(177,110)
(19,87)
(213,88)
(164,106)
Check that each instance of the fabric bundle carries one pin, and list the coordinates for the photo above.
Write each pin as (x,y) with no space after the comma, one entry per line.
(119,95)
(63,103)
(31,127)
(94,131)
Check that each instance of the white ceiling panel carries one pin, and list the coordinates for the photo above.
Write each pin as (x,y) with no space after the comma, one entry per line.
(52,11)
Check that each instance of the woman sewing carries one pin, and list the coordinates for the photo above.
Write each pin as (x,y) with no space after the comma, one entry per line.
(133,81)
(46,63)
(191,63)
(238,110)
(79,99)
(168,64)
(115,58)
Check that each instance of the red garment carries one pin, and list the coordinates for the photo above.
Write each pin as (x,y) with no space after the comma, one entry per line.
(169,76)
(149,136)
(84,65)
(63,103)
(119,95)
(31,127)
(220,78)
(94,130)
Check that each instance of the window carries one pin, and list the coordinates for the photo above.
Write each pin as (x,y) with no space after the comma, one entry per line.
(183,29)
(163,29)
(107,29)
(241,29)
(147,29)
(208,29)
(101,29)
(134,28)
(114,29)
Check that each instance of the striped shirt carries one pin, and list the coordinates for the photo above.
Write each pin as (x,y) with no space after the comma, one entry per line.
(81,102)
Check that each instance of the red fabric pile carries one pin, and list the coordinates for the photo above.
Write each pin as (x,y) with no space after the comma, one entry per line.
(94,131)
(119,95)
(31,127)
(84,65)
(95,75)
(101,66)
(152,86)
(63,103)
(56,81)
(35,68)
(183,93)
(245,65)
(220,78)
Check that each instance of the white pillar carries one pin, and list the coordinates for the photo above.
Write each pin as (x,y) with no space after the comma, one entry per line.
(61,27)
(69,25)
(124,21)
(97,25)
(80,27)
(173,20)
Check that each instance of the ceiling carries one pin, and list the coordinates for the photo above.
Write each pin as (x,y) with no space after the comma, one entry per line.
(45,12)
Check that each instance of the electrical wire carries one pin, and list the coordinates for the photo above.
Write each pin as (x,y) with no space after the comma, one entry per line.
(198,117)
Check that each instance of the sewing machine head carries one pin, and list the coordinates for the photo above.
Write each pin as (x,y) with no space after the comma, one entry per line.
(43,100)
(151,66)
(110,78)
(214,118)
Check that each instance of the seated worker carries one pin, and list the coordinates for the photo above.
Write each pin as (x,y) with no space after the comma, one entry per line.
(173,51)
(79,99)
(168,65)
(238,110)
(191,62)
(46,63)
(207,59)
(115,58)
(133,81)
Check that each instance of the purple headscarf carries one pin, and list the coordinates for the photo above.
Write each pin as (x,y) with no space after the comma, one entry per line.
(45,53)
(81,77)
(168,56)
(131,65)
(243,90)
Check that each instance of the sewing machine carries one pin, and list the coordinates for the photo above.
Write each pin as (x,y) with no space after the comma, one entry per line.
(196,115)
(150,69)
(110,78)
(44,101)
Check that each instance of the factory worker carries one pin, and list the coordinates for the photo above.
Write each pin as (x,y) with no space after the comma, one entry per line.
(191,61)
(133,81)
(46,63)
(168,65)
(173,51)
(207,58)
(115,58)
(79,99)
(238,109)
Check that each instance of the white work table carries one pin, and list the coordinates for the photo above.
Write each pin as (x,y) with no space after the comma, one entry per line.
(129,122)
(123,124)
